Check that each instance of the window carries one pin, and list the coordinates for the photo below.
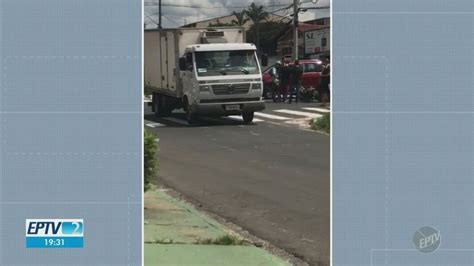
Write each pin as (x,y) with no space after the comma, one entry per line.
(236,62)
(312,68)
(272,71)
(324,42)
(189,60)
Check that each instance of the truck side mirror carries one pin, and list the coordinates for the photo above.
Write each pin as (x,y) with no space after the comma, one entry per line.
(182,64)
(264,60)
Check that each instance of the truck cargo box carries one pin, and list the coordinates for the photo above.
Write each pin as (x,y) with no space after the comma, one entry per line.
(163,47)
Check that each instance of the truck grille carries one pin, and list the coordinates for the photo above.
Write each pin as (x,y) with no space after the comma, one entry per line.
(230,100)
(227,89)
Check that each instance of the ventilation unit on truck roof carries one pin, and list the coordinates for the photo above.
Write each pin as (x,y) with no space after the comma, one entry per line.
(213,36)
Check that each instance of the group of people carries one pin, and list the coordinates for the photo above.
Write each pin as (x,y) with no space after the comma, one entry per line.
(287,82)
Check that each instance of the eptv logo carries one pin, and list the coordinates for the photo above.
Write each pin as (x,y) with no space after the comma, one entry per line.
(427,239)
(54,233)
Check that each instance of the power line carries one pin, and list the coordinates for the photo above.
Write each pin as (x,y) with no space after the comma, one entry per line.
(154,21)
(172,20)
(280,9)
(286,17)
(206,7)
(284,7)
(168,17)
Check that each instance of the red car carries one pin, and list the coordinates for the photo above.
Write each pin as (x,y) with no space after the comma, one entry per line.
(311,74)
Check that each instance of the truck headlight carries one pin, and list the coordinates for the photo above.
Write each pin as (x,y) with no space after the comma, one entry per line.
(256,86)
(204,88)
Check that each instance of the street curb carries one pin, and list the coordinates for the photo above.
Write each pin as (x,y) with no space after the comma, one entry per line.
(247,248)
(317,130)
(254,240)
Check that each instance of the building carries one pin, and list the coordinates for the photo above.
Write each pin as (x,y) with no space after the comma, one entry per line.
(317,41)
(285,39)
(320,21)
(227,20)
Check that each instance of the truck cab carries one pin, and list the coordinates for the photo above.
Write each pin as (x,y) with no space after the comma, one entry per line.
(220,79)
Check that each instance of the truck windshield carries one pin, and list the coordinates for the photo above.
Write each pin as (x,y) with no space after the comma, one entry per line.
(226,63)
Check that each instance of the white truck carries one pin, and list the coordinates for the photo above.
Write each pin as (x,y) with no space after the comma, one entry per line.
(210,72)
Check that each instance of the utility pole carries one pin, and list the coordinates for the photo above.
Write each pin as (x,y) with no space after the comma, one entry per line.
(296,10)
(258,35)
(159,11)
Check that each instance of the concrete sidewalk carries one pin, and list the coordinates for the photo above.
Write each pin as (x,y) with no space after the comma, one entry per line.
(177,234)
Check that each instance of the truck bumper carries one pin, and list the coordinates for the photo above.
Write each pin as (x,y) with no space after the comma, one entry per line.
(220,109)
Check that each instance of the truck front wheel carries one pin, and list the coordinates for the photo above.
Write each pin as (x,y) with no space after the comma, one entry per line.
(190,116)
(248,117)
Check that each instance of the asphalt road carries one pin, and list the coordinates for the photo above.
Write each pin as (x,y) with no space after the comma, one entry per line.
(269,178)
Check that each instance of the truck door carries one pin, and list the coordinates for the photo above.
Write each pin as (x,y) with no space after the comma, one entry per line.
(187,75)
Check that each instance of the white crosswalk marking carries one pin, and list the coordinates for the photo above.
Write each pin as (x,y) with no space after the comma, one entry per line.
(298,117)
(321,110)
(269,116)
(153,125)
(239,118)
(299,113)
(176,120)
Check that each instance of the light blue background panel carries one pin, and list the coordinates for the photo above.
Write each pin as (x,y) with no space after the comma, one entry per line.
(403,130)
(70,116)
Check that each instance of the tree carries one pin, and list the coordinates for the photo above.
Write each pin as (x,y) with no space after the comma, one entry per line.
(268,32)
(256,14)
(240,18)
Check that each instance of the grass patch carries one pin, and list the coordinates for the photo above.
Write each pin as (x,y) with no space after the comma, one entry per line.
(322,123)
(226,240)
(150,163)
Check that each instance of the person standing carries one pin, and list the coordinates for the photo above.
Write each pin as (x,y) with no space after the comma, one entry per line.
(276,79)
(296,74)
(324,88)
(285,81)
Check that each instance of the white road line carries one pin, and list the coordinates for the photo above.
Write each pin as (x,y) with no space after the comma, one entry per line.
(321,110)
(298,113)
(176,120)
(269,116)
(301,123)
(239,118)
(153,125)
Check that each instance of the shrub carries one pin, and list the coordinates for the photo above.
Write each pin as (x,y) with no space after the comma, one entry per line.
(149,150)
(148,90)
(322,123)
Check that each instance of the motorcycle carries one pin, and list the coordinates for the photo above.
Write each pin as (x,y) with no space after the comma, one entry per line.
(276,90)
(307,94)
